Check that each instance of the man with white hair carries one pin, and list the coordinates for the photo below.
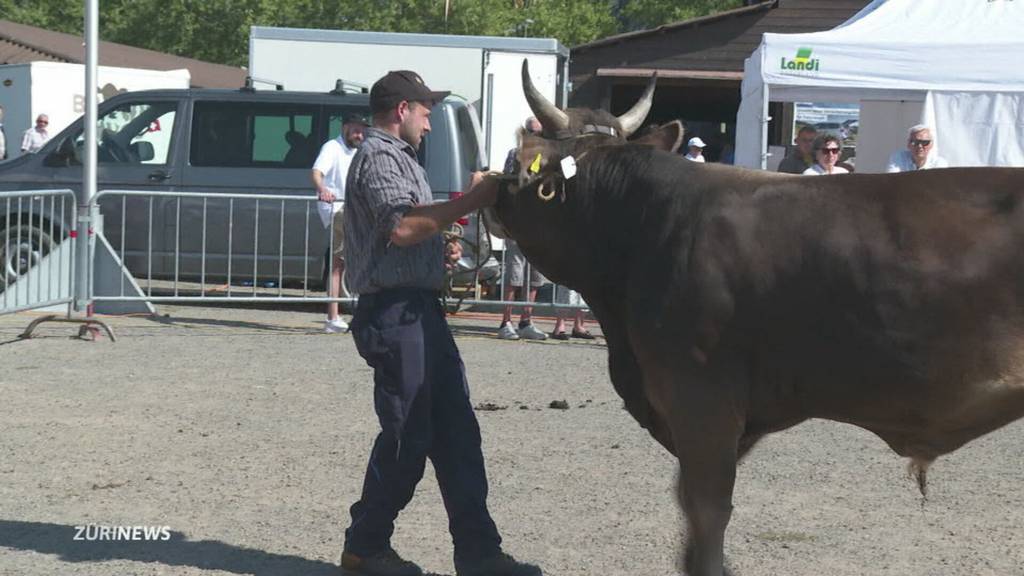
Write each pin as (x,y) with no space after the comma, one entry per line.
(918,155)
(3,136)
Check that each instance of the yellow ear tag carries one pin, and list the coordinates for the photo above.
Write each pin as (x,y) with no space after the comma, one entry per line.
(535,167)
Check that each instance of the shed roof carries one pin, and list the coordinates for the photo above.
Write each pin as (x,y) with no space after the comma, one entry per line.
(718,43)
(20,43)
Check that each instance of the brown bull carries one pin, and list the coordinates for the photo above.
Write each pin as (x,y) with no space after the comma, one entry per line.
(738,303)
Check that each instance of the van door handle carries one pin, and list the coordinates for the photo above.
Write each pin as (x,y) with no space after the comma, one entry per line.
(158,176)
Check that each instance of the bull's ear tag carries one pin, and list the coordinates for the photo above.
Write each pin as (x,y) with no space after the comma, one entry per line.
(535,166)
(568,167)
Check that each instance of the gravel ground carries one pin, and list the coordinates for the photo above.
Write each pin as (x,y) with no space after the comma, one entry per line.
(246,433)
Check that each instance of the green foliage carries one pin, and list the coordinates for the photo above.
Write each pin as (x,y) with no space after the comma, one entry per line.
(62,16)
(218,30)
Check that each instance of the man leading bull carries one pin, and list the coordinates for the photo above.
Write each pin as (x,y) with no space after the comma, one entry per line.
(395,264)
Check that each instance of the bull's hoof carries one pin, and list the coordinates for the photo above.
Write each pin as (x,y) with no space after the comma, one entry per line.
(688,566)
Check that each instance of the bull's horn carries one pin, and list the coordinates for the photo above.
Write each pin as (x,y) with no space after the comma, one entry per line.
(551,118)
(632,120)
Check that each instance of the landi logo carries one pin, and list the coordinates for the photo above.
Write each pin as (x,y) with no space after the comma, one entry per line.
(802,62)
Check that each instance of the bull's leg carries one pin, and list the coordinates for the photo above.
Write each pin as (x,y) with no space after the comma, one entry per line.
(625,371)
(706,432)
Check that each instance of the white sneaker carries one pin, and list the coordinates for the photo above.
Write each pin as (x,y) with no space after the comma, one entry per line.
(335,326)
(507,332)
(531,332)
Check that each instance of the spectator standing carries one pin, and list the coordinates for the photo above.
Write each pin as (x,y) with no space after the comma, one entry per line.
(515,268)
(827,149)
(695,149)
(37,136)
(396,263)
(728,154)
(579,328)
(3,136)
(918,155)
(328,174)
(802,157)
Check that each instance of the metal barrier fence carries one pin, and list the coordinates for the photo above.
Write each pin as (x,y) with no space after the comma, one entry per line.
(201,247)
(37,249)
(192,247)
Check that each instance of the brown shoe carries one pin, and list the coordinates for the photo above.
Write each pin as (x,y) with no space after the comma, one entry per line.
(582,334)
(385,563)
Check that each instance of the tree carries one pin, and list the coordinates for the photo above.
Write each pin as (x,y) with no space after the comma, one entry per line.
(218,30)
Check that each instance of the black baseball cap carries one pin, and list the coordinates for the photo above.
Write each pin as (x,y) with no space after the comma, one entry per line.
(355,118)
(399,85)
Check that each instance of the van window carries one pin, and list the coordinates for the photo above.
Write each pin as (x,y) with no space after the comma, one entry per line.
(133,133)
(469,138)
(240,134)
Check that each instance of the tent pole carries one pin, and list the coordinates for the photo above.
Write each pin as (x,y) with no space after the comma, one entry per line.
(763,128)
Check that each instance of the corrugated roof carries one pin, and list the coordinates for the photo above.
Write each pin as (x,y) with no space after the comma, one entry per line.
(718,43)
(754,8)
(20,43)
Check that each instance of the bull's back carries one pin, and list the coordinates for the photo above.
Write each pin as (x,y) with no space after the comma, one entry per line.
(851,289)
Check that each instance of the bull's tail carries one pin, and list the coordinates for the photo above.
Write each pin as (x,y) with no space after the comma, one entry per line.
(918,468)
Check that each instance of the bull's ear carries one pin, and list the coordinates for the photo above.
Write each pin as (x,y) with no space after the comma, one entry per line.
(668,137)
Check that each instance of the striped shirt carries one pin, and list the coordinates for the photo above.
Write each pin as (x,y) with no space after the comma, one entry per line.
(384,183)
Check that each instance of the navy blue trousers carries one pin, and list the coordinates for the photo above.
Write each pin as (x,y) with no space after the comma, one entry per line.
(422,402)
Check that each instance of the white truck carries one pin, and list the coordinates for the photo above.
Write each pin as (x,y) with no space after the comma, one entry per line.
(484,70)
(57,90)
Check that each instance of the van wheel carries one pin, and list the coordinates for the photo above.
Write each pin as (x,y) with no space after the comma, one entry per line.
(21,247)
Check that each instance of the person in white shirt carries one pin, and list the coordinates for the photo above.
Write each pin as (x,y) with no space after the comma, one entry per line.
(37,136)
(3,136)
(918,155)
(827,149)
(328,174)
(695,149)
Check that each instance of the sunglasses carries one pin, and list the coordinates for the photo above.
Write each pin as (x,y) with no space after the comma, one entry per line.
(920,142)
(42,122)
(830,150)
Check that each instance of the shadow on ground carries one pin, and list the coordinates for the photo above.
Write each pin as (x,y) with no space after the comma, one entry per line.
(58,539)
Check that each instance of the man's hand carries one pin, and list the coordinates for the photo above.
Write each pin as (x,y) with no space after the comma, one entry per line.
(325,195)
(484,186)
(452,253)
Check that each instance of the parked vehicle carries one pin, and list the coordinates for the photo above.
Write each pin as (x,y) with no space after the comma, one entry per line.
(221,141)
(55,89)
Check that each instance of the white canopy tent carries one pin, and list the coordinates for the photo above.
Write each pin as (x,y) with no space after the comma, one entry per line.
(953,64)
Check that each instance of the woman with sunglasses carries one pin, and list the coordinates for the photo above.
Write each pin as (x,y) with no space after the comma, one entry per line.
(827,149)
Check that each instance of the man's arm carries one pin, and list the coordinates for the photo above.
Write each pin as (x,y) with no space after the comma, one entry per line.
(422,222)
(26,140)
(322,193)
(325,160)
